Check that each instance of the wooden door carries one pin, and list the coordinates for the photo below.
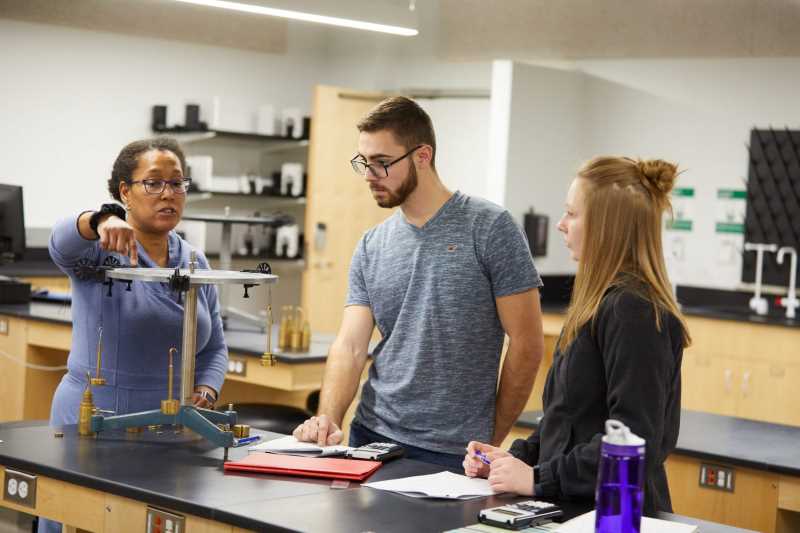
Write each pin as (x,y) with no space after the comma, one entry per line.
(337,199)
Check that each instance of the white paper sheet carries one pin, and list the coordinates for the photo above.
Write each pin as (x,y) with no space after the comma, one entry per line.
(548,527)
(288,445)
(585,524)
(442,485)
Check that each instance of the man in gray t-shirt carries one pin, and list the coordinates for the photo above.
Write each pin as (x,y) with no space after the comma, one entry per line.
(444,279)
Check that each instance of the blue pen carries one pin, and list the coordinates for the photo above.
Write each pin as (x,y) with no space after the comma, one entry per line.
(247,440)
(482,457)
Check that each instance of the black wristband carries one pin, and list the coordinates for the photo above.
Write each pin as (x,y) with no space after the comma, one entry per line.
(106,209)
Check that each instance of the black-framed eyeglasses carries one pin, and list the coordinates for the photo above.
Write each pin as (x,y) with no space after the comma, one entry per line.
(180,186)
(379,170)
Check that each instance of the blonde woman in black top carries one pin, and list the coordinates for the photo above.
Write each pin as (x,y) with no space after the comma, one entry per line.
(619,354)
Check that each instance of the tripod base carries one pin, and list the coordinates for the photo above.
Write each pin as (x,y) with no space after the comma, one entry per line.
(201,421)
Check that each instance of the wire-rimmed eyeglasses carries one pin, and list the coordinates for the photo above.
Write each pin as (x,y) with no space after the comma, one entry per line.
(180,186)
(378,170)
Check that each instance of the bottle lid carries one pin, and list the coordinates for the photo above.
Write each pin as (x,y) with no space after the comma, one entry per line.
(619,434)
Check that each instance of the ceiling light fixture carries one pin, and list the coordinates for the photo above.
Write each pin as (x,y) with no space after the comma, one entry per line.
(306,17)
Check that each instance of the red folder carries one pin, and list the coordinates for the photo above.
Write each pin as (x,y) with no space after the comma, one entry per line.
(290,465)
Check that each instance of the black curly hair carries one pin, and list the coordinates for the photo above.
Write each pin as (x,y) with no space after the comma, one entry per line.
(128,160)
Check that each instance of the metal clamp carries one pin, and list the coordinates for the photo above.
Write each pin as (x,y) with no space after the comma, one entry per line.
(261,268)
(86,271)
(179,283)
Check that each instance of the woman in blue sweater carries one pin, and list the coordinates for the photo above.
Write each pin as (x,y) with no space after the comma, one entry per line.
(141,325)
(138,326)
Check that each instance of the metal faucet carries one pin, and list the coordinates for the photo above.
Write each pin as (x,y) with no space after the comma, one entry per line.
(790,301)
(758,303)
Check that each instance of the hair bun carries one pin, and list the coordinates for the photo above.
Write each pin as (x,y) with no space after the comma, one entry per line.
(658,177)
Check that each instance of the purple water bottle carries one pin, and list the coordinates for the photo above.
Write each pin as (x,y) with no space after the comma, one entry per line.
(620,481)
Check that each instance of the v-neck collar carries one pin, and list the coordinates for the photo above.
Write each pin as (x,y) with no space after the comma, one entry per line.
(173,253)
(436,216)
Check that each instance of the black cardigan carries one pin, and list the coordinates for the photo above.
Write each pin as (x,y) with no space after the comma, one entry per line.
(623,368)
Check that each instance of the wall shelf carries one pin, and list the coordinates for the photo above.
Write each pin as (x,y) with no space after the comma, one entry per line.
(276,262)
(200,196)
(271,143)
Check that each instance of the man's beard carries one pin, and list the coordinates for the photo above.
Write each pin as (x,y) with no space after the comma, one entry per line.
(409,185)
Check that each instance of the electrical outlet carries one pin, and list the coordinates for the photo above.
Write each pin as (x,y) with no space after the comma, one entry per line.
(237,367)
(3,326)
(20,488)
(160,521)
(717,477)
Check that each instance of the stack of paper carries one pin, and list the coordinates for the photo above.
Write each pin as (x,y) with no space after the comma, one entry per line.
(547,527)
(288,445)
(585,524)
(442,485)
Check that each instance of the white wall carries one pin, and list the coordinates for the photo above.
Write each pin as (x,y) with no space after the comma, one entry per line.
(543,110)
(696,112)
(72,98)
(462,141)
(77,96)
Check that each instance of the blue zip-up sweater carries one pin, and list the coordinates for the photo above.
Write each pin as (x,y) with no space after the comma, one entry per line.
(139,328)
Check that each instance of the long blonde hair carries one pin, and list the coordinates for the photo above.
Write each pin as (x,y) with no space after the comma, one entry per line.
(624,201)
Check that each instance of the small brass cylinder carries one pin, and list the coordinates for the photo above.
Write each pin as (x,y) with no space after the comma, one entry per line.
(306,341)
(296,340)
(85,414)
(241,431)
(283,331)
(170,407)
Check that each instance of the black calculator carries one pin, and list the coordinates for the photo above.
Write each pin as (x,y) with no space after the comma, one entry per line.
(520,515)
(376,451)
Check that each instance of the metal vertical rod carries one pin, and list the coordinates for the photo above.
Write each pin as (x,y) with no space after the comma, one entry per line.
(226,244)
(189,345)
(99,352)
(171,373)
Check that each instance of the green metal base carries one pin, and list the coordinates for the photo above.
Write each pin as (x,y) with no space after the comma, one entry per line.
(201,421)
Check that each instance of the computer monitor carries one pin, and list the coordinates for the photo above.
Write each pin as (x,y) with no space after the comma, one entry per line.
(12,223)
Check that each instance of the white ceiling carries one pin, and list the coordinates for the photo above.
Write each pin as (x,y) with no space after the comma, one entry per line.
(479,29)
(465,29)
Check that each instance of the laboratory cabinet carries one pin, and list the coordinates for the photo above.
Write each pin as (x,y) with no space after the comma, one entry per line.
(733,368)
(742,369)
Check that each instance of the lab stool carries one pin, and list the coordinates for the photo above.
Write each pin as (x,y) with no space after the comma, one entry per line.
(271,417)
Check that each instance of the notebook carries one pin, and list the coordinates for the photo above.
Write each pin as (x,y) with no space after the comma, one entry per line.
(585,523)
(442,485)
(289,465)
(291,446)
